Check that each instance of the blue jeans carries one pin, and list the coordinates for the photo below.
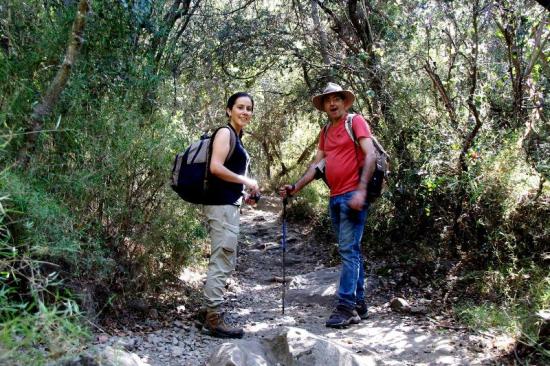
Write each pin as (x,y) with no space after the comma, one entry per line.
(348,225)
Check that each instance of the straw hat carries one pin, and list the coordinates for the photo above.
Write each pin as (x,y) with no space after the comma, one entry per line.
(332,88)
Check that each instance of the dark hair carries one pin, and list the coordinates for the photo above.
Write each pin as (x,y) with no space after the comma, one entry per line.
(232,99)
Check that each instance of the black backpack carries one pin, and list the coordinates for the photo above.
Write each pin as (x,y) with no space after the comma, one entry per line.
(191,169)
(381,171)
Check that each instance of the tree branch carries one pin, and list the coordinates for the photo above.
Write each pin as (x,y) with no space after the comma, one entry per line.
(473,86)
(50,98)
(436,80)
(537,47)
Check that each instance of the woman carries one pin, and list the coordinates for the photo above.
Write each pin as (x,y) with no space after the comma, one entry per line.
(226,187)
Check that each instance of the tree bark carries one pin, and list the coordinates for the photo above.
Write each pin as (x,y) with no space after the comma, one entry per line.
(438,85)
(461,244)
(323,43)
(51,97)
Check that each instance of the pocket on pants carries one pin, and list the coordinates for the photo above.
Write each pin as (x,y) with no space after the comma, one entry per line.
(231,237)
(351,213)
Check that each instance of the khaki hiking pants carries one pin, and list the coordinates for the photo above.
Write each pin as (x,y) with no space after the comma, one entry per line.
(223,227)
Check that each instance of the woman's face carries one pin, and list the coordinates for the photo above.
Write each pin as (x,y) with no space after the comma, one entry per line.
(241,112)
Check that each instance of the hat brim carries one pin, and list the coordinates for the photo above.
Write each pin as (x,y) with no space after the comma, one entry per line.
(349,98)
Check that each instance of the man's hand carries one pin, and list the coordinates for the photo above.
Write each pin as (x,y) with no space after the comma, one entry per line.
(357,201)
(287,190)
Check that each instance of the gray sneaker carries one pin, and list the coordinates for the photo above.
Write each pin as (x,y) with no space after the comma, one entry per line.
(342,317)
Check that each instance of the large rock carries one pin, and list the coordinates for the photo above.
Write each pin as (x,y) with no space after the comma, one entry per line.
(107,356)
(115,357)
(315,287)
(240,353)
(292,347)
(298,347)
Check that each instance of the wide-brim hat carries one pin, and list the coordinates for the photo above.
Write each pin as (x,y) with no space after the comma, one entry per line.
(333,88)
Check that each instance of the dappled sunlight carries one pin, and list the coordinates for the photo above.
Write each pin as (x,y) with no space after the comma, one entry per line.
(253,301)
(191,277)
(99,99)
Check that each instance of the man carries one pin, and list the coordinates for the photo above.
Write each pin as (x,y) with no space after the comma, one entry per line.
(348,169)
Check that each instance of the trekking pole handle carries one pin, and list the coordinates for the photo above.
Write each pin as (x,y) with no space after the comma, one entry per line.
(292,189)
(288,195)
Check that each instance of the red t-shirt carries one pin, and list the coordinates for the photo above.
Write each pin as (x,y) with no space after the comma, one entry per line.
(343,159)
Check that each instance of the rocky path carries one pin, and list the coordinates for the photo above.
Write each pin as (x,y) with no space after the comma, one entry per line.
(299,337)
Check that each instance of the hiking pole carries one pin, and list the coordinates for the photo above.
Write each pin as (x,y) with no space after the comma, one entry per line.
(283,246)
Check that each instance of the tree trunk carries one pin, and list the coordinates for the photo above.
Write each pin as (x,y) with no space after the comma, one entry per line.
(323,43)
(49,100)
(468,142)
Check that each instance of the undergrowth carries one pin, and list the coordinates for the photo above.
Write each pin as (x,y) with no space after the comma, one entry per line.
(508,300)
(39,319)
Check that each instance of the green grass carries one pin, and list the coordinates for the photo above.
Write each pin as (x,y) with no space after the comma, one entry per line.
(42,336)
(489,316)
(521,296)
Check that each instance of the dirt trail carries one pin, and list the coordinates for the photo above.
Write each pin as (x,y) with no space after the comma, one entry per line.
(254,295)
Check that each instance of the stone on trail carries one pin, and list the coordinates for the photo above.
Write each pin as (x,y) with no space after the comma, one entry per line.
(279,279)
(239,353)
(544,330)
(300,348)
(400,305)
(291,347)
(290,260)
(107,356)
(317,287)
(267,246)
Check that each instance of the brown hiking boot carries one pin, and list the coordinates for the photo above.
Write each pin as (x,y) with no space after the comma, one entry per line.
(199,318)
(215,326)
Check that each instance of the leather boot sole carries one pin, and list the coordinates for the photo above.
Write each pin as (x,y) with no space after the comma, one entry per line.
(218,334)
(350,321)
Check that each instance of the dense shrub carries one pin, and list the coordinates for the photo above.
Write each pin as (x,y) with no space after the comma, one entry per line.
(40,250)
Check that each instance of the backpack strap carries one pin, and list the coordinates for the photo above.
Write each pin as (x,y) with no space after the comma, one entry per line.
(351,134)
(378,146)
(232,141)
(349,127)
(325,133)
(232,144)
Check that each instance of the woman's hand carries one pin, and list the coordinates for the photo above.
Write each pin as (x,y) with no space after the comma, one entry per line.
(251,185)
(251,197)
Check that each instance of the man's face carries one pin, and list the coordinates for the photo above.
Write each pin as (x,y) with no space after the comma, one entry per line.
(334,106)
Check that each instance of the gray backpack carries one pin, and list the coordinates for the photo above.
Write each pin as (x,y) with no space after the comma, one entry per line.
(191,169)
